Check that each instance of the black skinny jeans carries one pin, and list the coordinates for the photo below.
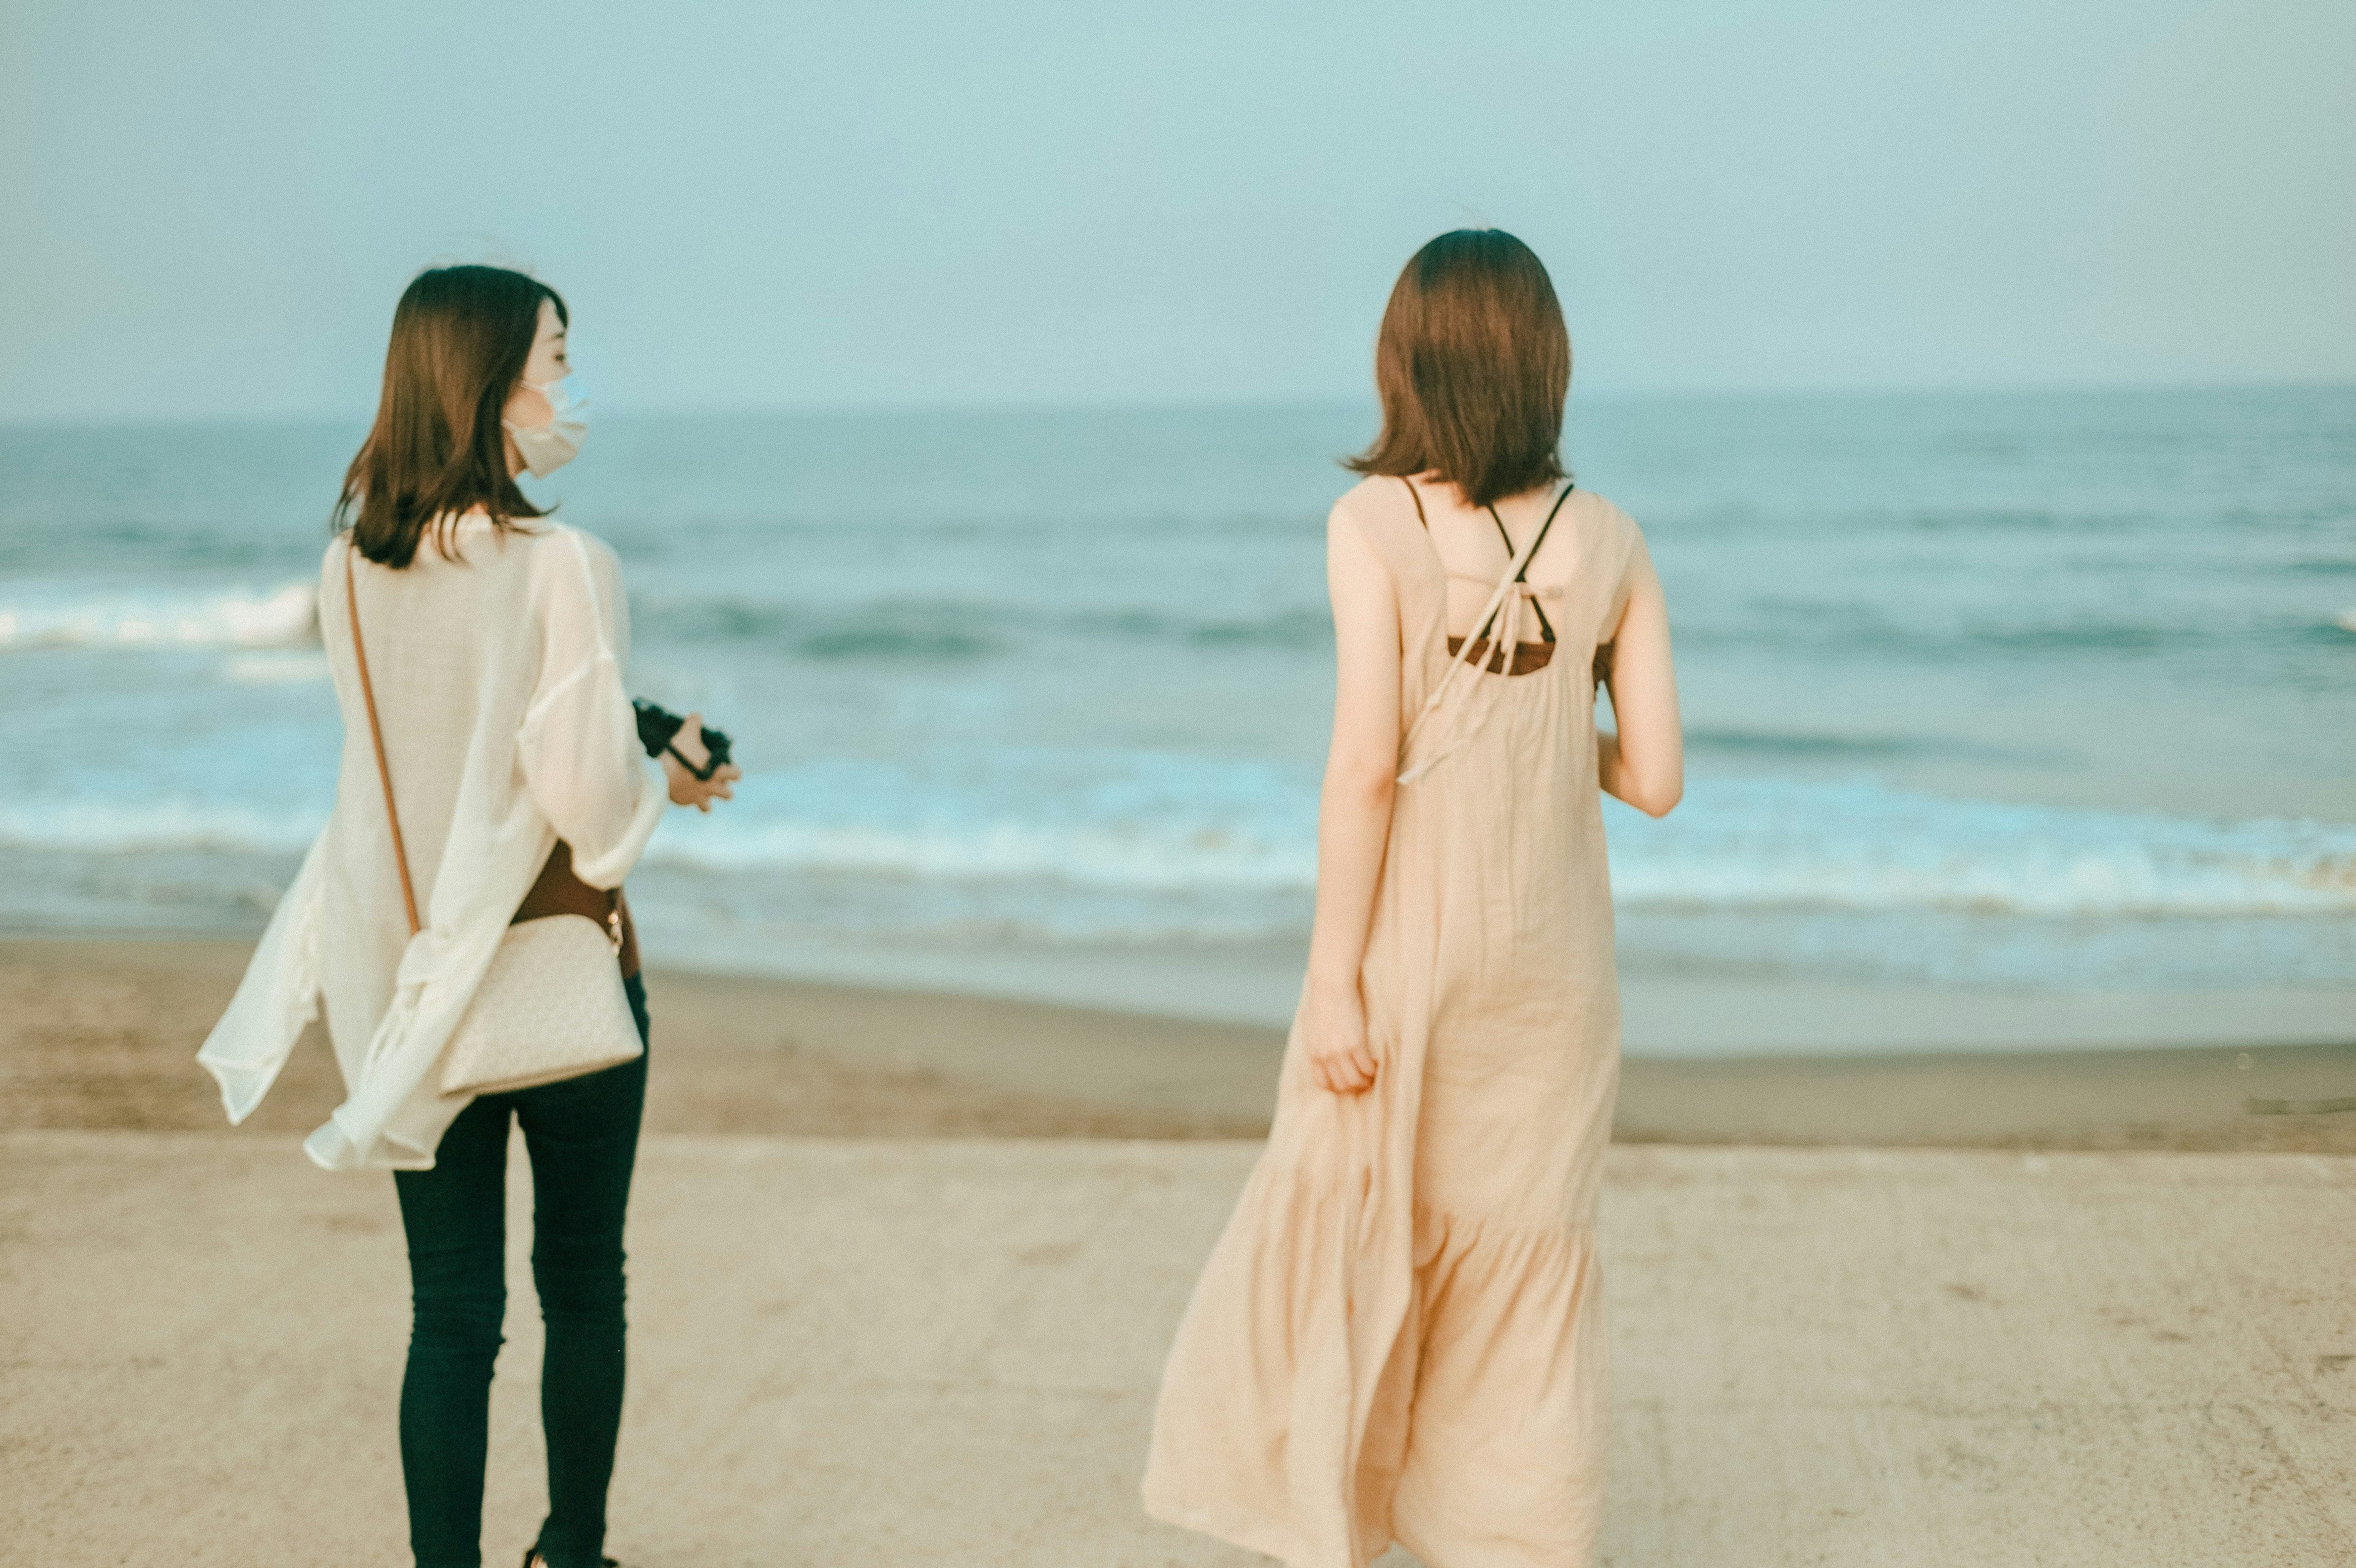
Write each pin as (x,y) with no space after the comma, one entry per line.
(582,1138)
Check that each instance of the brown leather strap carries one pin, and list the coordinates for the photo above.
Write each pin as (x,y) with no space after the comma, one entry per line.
(559,891)
(1522,658)
(376,734)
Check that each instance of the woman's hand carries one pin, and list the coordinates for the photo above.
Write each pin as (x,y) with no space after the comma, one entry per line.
(1333,1031)
(686,789)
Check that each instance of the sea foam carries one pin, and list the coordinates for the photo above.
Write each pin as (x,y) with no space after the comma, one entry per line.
(1188,828)
(281,617)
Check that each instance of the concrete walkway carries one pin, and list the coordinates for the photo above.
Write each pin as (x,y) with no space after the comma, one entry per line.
(914,1353)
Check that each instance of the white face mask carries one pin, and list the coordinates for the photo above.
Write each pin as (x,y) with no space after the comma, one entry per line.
(545,448)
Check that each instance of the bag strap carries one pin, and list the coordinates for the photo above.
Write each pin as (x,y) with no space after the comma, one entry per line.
(376,734)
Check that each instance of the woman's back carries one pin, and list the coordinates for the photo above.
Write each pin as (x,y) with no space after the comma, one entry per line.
(442,641)
(459,648)
(1507,746)
(494,671)
(1496,880)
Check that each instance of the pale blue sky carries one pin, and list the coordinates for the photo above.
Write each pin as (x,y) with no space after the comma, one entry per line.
(210,210)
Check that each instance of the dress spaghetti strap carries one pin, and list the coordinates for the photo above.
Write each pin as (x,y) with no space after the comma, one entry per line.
(1522,658)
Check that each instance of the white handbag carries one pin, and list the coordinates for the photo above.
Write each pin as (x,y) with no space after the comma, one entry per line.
(550,1005)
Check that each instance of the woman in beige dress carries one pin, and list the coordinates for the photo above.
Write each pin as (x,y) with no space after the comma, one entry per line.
(1400,1335)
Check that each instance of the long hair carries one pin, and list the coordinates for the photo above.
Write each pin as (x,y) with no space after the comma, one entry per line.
(461,336)
(1472,366)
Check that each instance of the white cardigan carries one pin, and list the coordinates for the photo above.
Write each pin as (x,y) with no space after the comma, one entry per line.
(498,683)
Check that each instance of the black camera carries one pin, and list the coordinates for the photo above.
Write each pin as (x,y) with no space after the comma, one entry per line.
(658,727)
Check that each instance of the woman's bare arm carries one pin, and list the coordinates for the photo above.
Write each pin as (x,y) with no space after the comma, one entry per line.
(1643,763)
(1354,815)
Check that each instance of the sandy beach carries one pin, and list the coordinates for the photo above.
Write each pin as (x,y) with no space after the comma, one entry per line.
(942,1353)
(904,1267)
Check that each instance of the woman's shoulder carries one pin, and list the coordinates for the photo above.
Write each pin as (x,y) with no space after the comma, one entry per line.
(563,566)
(531,561)
(1603,516)
(550,535)
(1381,510)
(525,542)
(1619,548)
(547,552)
(1376,498)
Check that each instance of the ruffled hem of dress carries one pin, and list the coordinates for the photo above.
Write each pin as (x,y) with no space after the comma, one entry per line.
(1500,1248)
(1284,1283)
(1268,1463)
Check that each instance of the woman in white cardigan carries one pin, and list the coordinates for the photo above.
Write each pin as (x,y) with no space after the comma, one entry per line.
(495,645)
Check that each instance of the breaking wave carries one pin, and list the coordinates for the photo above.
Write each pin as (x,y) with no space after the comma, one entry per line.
(281,617)
(1182,825)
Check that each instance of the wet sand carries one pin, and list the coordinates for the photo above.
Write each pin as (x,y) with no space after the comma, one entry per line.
(100,1033)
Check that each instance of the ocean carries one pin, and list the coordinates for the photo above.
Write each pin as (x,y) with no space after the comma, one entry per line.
(2045,694)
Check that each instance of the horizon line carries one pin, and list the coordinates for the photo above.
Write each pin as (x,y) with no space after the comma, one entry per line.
(1366,402)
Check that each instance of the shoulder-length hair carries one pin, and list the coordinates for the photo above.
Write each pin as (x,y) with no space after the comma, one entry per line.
(1472,366)
(461,336)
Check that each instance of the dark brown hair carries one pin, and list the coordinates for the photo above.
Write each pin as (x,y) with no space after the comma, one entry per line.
(461,336)
(1472,366)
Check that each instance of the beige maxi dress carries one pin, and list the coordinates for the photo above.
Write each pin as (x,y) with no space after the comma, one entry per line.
(1401,1334)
